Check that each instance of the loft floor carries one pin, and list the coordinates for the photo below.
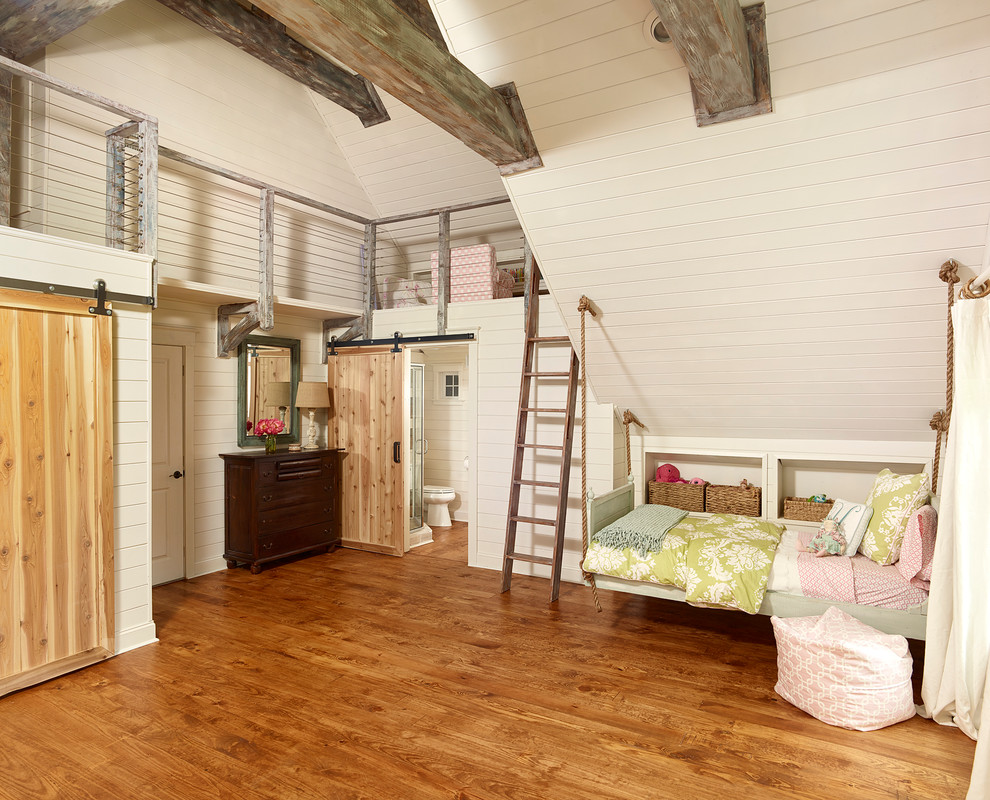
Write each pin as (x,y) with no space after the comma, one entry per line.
(351,675)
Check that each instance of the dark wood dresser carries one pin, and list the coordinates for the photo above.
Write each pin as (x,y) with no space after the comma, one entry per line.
(280,504)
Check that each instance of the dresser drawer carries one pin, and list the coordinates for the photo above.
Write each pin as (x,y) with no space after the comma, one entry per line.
(309,491)
(298,516)
(294,541)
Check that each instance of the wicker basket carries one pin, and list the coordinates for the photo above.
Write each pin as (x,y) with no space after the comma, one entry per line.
(740,499)
(686,496)
(801,508)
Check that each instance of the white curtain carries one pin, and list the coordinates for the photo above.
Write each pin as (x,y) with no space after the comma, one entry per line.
(956,688)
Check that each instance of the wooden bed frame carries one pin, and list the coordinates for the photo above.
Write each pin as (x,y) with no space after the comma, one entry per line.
(609,507)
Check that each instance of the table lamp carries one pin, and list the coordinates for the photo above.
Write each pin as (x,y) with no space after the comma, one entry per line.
(312,395)
(280,396)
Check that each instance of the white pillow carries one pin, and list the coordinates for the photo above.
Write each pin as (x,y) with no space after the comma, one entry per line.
(853,519)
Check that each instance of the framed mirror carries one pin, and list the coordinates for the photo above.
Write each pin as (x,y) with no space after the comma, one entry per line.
(267,377)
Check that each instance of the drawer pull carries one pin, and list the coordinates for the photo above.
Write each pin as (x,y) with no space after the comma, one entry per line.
(267,498)
(267,545)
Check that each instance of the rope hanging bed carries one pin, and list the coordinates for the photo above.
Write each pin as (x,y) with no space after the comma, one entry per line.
(628,418)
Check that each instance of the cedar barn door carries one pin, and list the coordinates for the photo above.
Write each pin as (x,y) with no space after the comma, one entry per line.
(369,419)
(56,488)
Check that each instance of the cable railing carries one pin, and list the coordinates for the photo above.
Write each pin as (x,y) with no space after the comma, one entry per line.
(485,253)
(74,164)
(79,166)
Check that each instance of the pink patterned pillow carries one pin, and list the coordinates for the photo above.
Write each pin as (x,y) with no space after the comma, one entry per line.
(915,562)
(843,672)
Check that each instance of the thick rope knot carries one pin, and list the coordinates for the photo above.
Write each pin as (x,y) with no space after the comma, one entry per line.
(949,271)
(939,422)
(584,304)
(628,418)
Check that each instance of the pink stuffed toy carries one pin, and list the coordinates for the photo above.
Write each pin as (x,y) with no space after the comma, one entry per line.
(668,473)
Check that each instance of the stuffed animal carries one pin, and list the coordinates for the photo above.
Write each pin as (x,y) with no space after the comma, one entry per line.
(818,498)
(828,542)
(697,481)
(668,473)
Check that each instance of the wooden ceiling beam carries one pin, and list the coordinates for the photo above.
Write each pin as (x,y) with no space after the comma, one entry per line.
(28,26)
(419,11)
(724,49)
(265,38)
(379,40)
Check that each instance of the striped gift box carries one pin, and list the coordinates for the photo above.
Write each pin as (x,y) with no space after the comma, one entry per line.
(473,274)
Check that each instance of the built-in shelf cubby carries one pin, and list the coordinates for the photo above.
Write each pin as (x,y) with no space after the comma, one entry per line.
(846,478)
(727,468)
(836,475)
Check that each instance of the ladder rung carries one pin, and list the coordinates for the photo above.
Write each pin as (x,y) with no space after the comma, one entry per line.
(547,374)
(522,482)
(547,410)
(550,339)
(544,446)
(531,559)
(535,520)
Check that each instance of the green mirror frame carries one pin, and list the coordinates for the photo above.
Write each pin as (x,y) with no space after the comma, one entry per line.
(245,439)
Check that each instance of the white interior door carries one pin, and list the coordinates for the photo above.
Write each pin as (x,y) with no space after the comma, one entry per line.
(167,465)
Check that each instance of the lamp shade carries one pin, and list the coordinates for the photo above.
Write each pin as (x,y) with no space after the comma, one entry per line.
(312,394)
(279,393)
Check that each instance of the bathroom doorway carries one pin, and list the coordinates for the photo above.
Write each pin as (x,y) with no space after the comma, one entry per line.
(443,448)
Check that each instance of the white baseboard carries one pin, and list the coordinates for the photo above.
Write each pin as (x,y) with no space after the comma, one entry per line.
(136,637)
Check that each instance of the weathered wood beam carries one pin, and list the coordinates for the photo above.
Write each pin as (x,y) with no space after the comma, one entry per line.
(370,280)
(229,337)
(714,39)
(354,325)
(6,121)
(148,197)
(116,188)
(29,25)
(377,39)
(443,272)
(419,11)
(265,38)
(266,261)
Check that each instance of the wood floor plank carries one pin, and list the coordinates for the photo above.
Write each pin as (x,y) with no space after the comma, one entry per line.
(355,675)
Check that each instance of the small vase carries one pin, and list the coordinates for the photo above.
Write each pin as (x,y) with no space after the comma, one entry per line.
(270,443)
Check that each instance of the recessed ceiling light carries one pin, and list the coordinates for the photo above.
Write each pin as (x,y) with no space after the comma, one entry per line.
(654,30)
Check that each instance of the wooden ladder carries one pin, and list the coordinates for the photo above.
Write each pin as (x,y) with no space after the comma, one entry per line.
(529,374)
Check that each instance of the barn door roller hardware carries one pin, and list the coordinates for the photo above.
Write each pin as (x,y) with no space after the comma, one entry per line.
(98,292)
(397,340)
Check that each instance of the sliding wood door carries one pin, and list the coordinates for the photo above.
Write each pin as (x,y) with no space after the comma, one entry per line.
(56,488)
(369,419)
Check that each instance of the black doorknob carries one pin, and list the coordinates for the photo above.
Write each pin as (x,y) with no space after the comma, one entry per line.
(177,474)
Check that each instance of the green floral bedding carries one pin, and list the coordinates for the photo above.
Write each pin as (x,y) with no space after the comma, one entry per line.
(722,561)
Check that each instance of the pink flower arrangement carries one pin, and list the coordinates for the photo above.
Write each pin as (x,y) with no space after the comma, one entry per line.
(269,427)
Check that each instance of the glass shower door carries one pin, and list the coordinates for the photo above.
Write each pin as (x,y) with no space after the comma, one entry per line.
(416,444)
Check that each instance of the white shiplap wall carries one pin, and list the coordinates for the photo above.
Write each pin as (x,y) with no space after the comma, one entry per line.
(774,277)
(408,163)
(30,256)
(215,414)
(497,357)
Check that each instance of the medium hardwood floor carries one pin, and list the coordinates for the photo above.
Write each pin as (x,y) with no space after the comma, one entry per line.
(351,675)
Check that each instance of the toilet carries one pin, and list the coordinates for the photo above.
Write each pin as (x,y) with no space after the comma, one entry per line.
(436,499)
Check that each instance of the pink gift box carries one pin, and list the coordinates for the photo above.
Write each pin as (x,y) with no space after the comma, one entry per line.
(473,274)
